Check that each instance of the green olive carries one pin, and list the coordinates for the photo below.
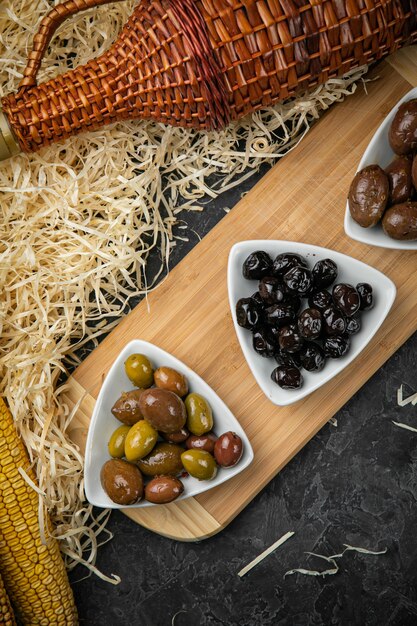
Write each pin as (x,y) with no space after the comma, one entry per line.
(199,414)
(139,370)
(165,458)
(140,440)
(116,443)
(199,463)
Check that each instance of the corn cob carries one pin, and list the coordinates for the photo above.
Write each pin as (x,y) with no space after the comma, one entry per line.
(34,574)
(6,611)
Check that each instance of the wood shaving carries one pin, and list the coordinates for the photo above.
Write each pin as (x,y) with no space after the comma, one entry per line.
(265,553)
(78,221)
(332,560)
(406,426)
(401,401)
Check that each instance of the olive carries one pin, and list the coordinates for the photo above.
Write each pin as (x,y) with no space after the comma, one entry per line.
(199,414)
(271,290)
(163,489)
(177,437)
(139,370)
(399,178)
(279,314)
(287,377)
(292,301)
(365,296)
(126,409)
(199,463)
(257,265)
(257,298)
(402,134)
(140,440)
(122,481)
(368,195)
(299,280)
(261,341)
(287,261)
(309,323)
(334,322)
(414,171)
(116,443)
(312,357)
(248,313)
(336,347)
(400,221)
(320,300)
(204,442)
(286,358)
(163,409)
(290,339)
(228,449)
(165,458)
(272,335)
(324,273)
(346,298)
(168,378)
(353,325)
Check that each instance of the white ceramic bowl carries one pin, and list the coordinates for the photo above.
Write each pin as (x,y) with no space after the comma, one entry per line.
(103,423)
(380,152)
(350,271)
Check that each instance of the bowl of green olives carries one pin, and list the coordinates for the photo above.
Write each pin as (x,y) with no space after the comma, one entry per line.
(159,433)
(302,313)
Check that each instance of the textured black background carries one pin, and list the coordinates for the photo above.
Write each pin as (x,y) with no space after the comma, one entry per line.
(355,483)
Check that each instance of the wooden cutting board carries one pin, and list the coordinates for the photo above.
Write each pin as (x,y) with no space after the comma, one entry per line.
(301,199)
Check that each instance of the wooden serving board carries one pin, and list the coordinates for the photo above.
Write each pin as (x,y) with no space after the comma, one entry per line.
(301,199)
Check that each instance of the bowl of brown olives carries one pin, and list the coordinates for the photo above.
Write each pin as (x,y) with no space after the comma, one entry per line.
(159,433)
(302,313)
(381,209)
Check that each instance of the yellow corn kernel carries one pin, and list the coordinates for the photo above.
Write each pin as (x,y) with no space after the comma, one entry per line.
(6,611)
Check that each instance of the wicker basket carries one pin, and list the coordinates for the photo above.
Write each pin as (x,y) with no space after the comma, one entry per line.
(202,63)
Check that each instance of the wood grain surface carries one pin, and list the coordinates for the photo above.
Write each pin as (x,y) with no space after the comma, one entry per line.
(301,199)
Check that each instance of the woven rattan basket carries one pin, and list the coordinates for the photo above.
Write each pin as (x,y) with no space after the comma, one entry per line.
(201,63)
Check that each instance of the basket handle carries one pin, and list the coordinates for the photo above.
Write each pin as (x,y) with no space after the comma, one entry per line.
(46,31)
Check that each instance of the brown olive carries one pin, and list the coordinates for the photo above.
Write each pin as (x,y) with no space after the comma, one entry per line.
(126,409)
(399,178)
(400,221)
(165,458)
(122,481)
(414,171)
(177,437)
(168,378)
(368,195)
(203,442)
(228,449)
(402,134)
(346,298)
(163,409)
(163,489)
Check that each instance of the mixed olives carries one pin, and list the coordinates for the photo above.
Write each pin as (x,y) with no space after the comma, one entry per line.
(388,196)
(166,431)
(312,318)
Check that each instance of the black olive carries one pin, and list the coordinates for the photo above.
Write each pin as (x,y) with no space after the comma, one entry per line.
(346,298)
(256,296)
(248,313)
(290,339)
(257,265)
(272,334)
(298,280)
(334,322)
(262,344)
(320,300)
(287,377)
(353,325)
(293,301)
(365,296)
(324,273)
(279,314)
(286,261)
(309,323)
(285,358)
(271,290)
(336,347)
(312,357)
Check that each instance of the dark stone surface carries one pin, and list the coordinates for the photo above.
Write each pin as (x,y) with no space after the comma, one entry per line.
(355,483)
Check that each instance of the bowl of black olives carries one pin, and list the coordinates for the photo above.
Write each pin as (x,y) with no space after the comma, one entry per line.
(302,313)
(381,209)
